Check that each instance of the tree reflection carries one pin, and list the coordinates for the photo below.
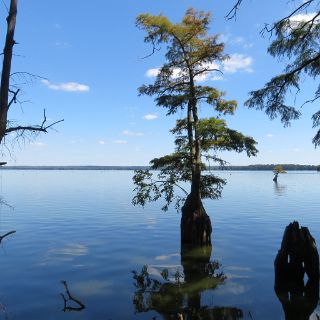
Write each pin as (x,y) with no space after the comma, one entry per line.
(280,189)
(177,294)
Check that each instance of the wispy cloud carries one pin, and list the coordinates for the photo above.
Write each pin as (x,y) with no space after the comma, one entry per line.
(270,135)
(66,86)
(177,72)
(150,117)
(63,44)
(236,41)
(38,144)
(120,142)
(296,149)
(132,133)
(238,62)
(102,142)
(241,41)
(57,26)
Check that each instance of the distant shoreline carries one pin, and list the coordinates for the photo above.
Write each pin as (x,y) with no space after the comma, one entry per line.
(256,167)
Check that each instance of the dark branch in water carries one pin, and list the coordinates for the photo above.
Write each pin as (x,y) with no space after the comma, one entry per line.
(69,297)
(7,234)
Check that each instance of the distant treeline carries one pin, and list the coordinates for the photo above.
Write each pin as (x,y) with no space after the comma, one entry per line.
(253,167)
(73,167)
(287,167)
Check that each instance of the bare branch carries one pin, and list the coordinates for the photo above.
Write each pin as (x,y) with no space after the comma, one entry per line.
(69,297)
(7,234)
(304,5)
(14,98)
(164,181)
(232,14)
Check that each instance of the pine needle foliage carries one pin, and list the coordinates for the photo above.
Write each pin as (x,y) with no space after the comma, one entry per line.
(297,42)
(191,54)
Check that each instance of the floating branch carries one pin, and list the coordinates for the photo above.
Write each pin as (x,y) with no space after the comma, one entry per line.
(7,234)
(69,298)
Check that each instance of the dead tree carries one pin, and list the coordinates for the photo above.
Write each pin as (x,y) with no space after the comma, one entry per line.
(297,256)
(7,95)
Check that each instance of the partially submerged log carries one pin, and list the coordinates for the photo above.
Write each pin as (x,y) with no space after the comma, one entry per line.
(297,257)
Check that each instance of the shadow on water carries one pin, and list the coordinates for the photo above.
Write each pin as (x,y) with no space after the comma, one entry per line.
(279,189)
(297,259)
(177,295)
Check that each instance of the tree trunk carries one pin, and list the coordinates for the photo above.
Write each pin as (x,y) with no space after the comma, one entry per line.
(195,223)
(6,68)
(275,178)
(297,256)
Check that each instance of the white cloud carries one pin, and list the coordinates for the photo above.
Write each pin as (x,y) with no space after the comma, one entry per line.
(237,62)
(150,117)
(296,149)
(270,135)
(241,41)
(38,144)
(235,41)
(66,86)
(131,133)
(120,141)
(151,73)
(304,17)
(102,142)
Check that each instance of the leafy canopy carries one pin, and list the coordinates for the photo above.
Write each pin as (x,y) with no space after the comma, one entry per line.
(296,40)
(279,169)
(190,56)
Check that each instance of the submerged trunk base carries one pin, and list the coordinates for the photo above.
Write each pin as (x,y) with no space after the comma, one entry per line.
(195,224)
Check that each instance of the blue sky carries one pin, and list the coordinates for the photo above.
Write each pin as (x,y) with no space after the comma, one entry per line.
(90,57)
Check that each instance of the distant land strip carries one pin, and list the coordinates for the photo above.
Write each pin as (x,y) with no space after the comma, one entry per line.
(253,167)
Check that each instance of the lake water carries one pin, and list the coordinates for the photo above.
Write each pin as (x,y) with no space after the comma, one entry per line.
(80,227)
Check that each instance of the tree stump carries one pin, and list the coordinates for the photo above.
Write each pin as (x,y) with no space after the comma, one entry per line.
(195,224)
(297,256)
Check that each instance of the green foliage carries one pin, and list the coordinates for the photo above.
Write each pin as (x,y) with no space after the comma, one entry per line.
(279,169)
(296,41)
(190,54)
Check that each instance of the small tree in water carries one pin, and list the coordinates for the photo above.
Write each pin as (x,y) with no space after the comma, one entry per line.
(276,170)
(191,55)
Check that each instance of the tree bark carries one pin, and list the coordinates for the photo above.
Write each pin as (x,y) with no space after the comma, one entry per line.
(195,223)
(6,68)
(275,178)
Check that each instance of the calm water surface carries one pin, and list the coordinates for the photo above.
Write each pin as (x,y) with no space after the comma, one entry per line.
(80,226)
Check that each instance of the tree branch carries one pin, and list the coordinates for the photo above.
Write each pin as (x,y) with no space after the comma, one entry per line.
(6,234)
(36,128)
(232,14)
(69,297)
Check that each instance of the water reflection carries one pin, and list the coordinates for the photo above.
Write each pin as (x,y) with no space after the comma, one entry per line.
(70,303)
(177,295)
(279,189)
(298,257)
